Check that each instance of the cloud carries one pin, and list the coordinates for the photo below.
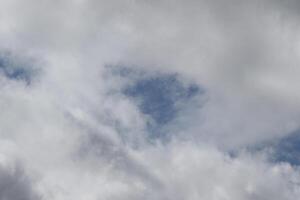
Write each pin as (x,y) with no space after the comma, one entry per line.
(15,184)
(72,117)
(187,172)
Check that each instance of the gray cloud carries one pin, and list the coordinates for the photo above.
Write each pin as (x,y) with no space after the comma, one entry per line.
(85,139)
(15,185)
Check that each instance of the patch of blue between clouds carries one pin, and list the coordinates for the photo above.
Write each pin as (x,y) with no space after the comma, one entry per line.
(14,70)
(161,97)
(287,149)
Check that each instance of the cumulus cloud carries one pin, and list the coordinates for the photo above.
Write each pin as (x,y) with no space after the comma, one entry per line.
(81,80)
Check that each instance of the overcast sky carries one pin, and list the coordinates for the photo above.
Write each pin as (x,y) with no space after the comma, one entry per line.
(149,100)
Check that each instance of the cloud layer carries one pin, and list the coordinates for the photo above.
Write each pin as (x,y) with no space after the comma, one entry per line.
(81,80)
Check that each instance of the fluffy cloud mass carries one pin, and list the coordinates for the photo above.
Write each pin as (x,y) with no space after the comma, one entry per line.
(158,100)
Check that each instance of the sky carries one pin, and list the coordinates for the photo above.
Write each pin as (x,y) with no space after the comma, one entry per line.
(149,100)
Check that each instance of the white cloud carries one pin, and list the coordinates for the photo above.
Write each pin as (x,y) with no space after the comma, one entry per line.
(79,137)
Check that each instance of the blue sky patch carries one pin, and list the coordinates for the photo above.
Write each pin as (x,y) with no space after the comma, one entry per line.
(287,149)
(12,69)
(161,97)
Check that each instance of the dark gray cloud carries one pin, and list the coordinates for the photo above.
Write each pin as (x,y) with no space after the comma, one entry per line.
(15,185)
